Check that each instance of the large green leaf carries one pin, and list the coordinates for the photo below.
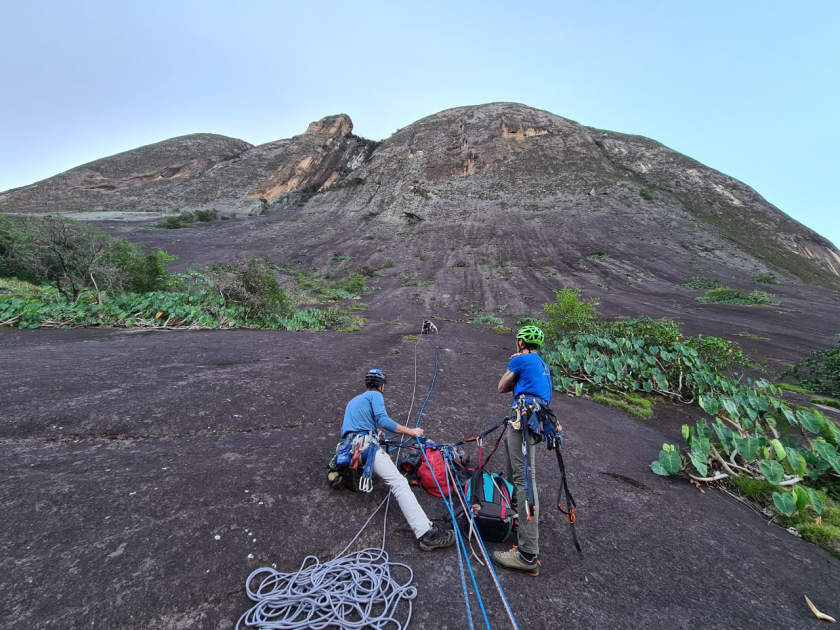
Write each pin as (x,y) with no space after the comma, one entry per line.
(816,500)
(699,462)
(772,471)
(658,469)
(725,435)
(747,448)
(784,503)
(709,404)
(731,407)
(800,497)
(810,421)
(830,433)
(671,461)
(794,463)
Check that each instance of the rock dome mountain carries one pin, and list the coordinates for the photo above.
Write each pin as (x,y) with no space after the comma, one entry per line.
(487,184)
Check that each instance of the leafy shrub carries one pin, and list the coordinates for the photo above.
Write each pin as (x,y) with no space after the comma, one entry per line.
(646,194)
(766,278)
(251,285)
(654,331)
(734,296)
(337,255)
(569,312)
(599,254)
(354,285)
(72,255)
(487,319)
(186,218)
(702,282)
(417,283)
(819,372)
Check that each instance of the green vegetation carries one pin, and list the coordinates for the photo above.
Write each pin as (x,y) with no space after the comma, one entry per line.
(702,282)
(501,329)
(337,255)
(599,254)
(57,272)
(733,296)
(636,405)
(410,337)
(819,371)
(646,194)
(795,388)
(185,219)
(417,283)
(487,319)
(766,278)
(752,336)
(828,402)
(73,256)
(569,313)
(749,430)
(822,530)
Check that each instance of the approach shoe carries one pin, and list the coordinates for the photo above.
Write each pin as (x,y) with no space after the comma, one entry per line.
(513,560)
(436,538)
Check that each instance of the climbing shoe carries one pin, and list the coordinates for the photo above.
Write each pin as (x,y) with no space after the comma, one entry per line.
(436,538)
(513,560)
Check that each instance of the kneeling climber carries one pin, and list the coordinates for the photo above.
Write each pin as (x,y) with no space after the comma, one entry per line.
(363,415)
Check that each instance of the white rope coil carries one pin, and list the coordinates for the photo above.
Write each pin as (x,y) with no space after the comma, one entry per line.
(352,591)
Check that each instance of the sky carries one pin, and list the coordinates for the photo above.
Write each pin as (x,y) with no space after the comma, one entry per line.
(750,88)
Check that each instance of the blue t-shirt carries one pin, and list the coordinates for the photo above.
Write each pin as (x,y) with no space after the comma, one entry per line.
(533,378)
(365,412)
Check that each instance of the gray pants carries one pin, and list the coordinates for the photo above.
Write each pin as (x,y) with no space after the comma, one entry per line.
(528,532)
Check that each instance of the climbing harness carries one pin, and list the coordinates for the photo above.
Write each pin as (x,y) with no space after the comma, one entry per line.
(356,450)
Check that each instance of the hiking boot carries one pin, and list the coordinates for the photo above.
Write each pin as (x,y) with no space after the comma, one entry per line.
(513,560)
(436,538)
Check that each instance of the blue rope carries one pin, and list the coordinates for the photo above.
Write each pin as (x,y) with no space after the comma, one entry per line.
(463,548)
(469,514)
(432,386)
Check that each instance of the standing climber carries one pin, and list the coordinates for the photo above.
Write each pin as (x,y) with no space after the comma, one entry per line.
(363,415)
(529,378)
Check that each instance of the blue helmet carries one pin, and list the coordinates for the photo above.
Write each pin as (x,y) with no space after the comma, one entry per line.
(375,378)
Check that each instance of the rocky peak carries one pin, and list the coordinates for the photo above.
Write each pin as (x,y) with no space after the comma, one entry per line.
(312,161)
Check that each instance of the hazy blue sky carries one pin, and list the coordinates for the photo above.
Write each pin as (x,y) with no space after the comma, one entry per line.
(750,88)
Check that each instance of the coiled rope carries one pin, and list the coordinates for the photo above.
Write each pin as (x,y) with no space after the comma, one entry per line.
(356,590)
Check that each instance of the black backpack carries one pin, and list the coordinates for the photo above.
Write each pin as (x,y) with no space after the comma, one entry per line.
(490,498)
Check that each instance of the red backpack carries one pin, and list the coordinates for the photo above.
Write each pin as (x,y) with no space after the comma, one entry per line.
(437,471)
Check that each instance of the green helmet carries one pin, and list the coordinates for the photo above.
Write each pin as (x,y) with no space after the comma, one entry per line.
(531,334)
